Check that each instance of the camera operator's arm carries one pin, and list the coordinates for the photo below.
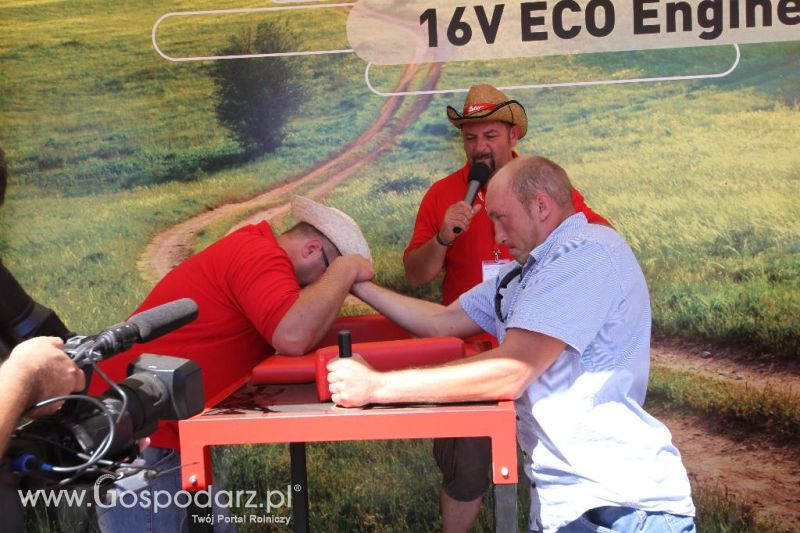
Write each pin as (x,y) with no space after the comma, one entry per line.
(36,370)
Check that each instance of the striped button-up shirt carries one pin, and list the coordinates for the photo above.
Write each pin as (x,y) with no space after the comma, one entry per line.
(587,440)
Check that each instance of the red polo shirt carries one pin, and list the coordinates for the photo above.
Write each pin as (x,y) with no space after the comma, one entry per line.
(243,285)
(462,263)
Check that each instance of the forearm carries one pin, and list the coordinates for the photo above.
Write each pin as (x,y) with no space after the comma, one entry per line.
(13,403)
(500,374)
(424,263)
(420,317)
(482,377)
(314,312)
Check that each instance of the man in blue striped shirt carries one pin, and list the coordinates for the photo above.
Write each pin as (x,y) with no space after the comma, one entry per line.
(573,319)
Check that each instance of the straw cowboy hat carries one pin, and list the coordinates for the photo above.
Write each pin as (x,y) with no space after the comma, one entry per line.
(339,228)
(484,103)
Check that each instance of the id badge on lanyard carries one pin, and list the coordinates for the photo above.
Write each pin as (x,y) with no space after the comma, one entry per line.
(491,269)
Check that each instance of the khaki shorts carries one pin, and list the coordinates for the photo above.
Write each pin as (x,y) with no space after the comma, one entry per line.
(465,464)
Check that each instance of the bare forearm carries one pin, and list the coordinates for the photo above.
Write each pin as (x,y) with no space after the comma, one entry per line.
(13,403)
(313,313)
(423,264)
(420,317)
(482,377)
(503,373)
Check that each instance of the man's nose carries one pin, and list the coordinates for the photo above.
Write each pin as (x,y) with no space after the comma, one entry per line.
(499,236)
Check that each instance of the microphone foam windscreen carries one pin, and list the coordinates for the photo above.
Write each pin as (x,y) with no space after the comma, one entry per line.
(164,318)
(480,173)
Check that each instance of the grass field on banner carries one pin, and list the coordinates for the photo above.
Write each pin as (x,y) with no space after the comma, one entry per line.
(701,178)
(109,144)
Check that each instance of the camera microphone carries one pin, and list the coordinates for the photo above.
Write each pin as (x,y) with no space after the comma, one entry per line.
(145,326)
(478,176)
(89,434)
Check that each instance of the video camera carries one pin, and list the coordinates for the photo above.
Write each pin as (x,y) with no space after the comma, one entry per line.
(90,436)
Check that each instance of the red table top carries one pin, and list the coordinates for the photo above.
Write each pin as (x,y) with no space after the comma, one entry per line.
(291,413)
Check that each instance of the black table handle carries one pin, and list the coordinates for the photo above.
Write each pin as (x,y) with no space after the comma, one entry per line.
(345,346)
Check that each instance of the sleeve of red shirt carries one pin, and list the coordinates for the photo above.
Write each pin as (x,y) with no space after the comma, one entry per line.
(427,224)
(581,207)
(262,280)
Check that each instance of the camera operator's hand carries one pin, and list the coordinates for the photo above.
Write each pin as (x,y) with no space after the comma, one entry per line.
(44,370)
(36,370)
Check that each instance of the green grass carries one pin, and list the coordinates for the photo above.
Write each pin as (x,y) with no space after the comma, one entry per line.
(127,159)
(721,512)
(770,411)
(700,178)
(121,116)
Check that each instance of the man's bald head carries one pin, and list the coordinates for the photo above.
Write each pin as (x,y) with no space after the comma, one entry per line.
(529,176)
(527,200)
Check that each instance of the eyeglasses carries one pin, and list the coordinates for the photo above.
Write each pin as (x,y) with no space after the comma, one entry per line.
(325,258)
(498,297)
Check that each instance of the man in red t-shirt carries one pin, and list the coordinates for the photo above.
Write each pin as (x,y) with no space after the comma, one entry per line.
(490,125)
(257,293)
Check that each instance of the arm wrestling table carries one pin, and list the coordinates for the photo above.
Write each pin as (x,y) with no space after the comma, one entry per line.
(297,413)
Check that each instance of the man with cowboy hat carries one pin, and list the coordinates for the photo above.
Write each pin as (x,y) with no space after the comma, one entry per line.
(490,124)
(257,293)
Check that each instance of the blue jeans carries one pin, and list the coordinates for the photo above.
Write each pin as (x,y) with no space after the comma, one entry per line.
(133,514)
(626,519)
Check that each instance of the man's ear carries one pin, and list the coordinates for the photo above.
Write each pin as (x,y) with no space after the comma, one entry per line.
(310,247)
(513,135)
(541,206)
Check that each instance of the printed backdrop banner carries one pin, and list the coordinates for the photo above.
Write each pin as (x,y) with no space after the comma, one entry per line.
(137,133)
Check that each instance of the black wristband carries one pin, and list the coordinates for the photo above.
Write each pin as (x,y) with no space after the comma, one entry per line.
(441,242)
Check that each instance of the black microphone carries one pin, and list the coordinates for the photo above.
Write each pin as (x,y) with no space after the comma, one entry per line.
(478,176)
(145,326)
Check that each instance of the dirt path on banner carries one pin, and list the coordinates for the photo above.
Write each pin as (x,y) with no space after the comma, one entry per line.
(750,466)
(174,244)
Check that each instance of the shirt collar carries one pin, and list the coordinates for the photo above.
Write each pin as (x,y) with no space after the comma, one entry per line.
(543,250)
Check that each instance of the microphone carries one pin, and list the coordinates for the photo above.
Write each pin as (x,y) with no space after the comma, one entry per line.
(145,326)
(478,176)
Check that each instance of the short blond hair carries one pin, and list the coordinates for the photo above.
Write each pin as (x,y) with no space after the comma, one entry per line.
(533,175)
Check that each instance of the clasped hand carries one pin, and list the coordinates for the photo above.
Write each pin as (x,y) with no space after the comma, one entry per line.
(352,382)
(458,215)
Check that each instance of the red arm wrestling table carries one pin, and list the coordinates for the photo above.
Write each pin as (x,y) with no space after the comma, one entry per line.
(297,412)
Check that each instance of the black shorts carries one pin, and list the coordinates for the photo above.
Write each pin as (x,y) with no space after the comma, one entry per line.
(465,464)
